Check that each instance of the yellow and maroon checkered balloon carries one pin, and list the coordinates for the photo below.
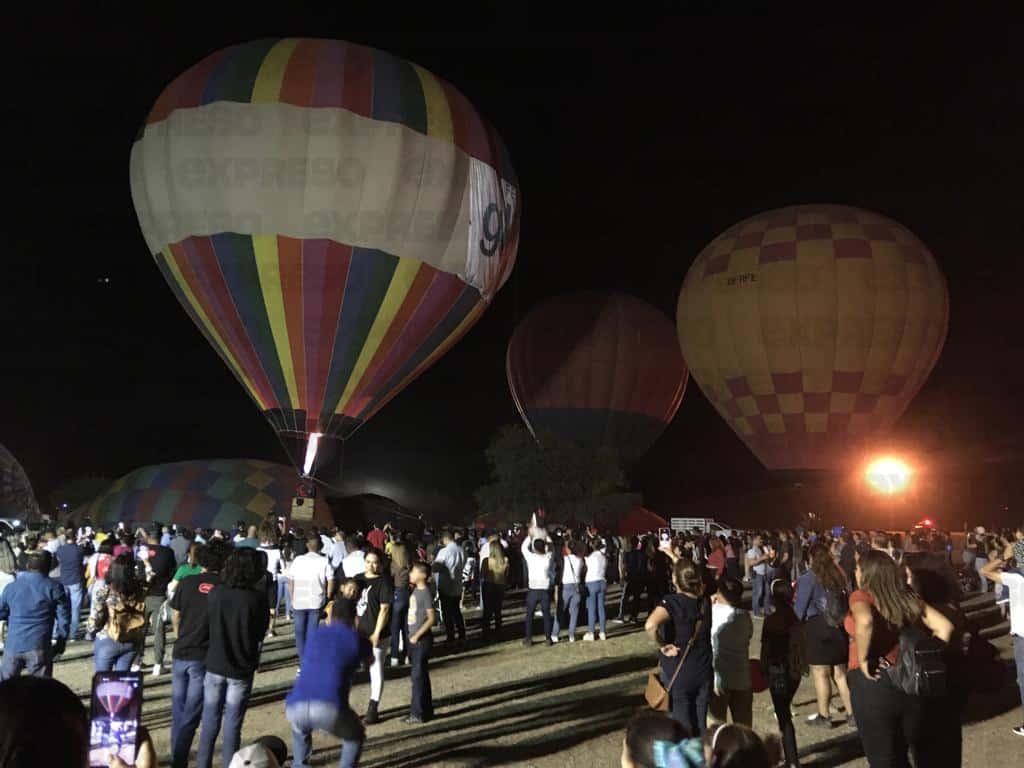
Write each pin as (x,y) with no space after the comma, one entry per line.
(811,328)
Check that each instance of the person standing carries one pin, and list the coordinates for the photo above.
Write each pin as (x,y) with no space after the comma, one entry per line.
(399,566)
(448,567)
(731,631)
(783,662)
(319,700)
(420,621)
(190,618)
(160,567)
(572,590)
(493,577)
(36,609)
(117,618)
(757,559)
(595,567)
(71,559)
(373,609)
(688,614)
(1015,583)
(311,582)
(538,569)
(271,548)
(238,620)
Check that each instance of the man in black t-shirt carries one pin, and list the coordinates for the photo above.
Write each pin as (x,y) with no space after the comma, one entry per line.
(190,618)
(160,566)
(376,594)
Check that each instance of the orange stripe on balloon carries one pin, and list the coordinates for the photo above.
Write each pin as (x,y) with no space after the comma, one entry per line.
(300,76)
(289,252)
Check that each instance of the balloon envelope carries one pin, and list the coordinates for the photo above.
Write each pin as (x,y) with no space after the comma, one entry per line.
(202,494)
(811,328)
(604,370)
(16,497)
(331,217)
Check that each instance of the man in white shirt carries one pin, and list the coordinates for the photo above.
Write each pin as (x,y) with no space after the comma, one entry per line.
(1014,582)
(731,631)
(354,563)
(757,559)
(538,564)
(338,551)
(448,565)
(310,582)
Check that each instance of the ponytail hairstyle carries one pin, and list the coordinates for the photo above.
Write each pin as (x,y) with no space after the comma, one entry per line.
(687,576)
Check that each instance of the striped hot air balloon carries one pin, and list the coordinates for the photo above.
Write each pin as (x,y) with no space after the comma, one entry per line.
(331,217)
(604,370)
(811,328)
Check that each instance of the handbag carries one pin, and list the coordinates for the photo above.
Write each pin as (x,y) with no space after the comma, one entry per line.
(655,693)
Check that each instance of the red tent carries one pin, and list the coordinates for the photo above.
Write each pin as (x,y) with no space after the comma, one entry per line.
(641,520)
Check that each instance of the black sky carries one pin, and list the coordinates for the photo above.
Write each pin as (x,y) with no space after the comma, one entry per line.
(635,145)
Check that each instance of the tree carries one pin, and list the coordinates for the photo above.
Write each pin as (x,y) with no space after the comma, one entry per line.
(77,491)
(548,472)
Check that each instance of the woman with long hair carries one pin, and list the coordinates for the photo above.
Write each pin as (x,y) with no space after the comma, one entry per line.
(686,648)
(889,721)
(782,658)
(117,619)
(737,746)
(271,548)
(655,740)
(826,642)
(493,578)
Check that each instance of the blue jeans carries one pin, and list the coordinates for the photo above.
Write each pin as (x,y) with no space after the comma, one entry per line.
(422,703)
(570,603)
(543,597)
(305,622)
(283,597)
(34,663)
(75,593)
(762,601)
(112,656)
(223,699)
(308,716)
(595,604)
(399,625)
(979,563)
(186,707)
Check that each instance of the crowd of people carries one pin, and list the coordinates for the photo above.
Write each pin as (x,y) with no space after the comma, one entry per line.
(841,607)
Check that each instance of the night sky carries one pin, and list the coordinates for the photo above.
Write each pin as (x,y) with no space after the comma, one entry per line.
(634,145)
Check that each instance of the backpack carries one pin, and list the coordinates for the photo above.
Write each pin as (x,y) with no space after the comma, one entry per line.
(836,606)
(920,669)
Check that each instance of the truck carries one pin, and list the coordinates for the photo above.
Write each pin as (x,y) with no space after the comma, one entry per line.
(701,525)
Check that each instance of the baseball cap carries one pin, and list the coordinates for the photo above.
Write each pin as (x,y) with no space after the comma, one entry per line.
(265,752)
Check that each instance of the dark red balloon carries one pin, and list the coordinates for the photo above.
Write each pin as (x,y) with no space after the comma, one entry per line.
(601,369)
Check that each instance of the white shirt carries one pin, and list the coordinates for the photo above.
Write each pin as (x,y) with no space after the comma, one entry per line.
(1015,583)
(536,566)
(337,554)
(572,570)
(731,630)
(273,561)
(761,569)
(354,564)
(310,574)
(597,564)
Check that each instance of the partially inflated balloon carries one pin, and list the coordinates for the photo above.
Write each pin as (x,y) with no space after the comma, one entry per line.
(331,217)
(811,328)
(604,370)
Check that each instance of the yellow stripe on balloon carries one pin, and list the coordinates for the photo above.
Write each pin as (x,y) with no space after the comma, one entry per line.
(439,114)
(268,265)
(401,281)
(211,329)
(267,88)
(443,347)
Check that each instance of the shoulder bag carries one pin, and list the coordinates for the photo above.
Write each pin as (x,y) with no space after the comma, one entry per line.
(656,694)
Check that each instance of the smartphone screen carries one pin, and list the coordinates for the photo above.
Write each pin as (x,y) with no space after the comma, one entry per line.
(665,535)
(115,712)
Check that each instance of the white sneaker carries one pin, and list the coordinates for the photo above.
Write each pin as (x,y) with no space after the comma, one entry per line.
(554,638)
(603,636)
(572,638)
(589,637)
(157,670)
(136,668)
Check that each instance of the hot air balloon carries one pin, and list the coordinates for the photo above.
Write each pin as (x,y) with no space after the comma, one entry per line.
(811,328)
(214,493)
(16,497)
(604,370)
(331,217)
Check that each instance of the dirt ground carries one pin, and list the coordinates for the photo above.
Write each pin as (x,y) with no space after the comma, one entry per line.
(552,707)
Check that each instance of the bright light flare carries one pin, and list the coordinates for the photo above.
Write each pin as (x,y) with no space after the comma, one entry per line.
(311,446)
(888,475)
